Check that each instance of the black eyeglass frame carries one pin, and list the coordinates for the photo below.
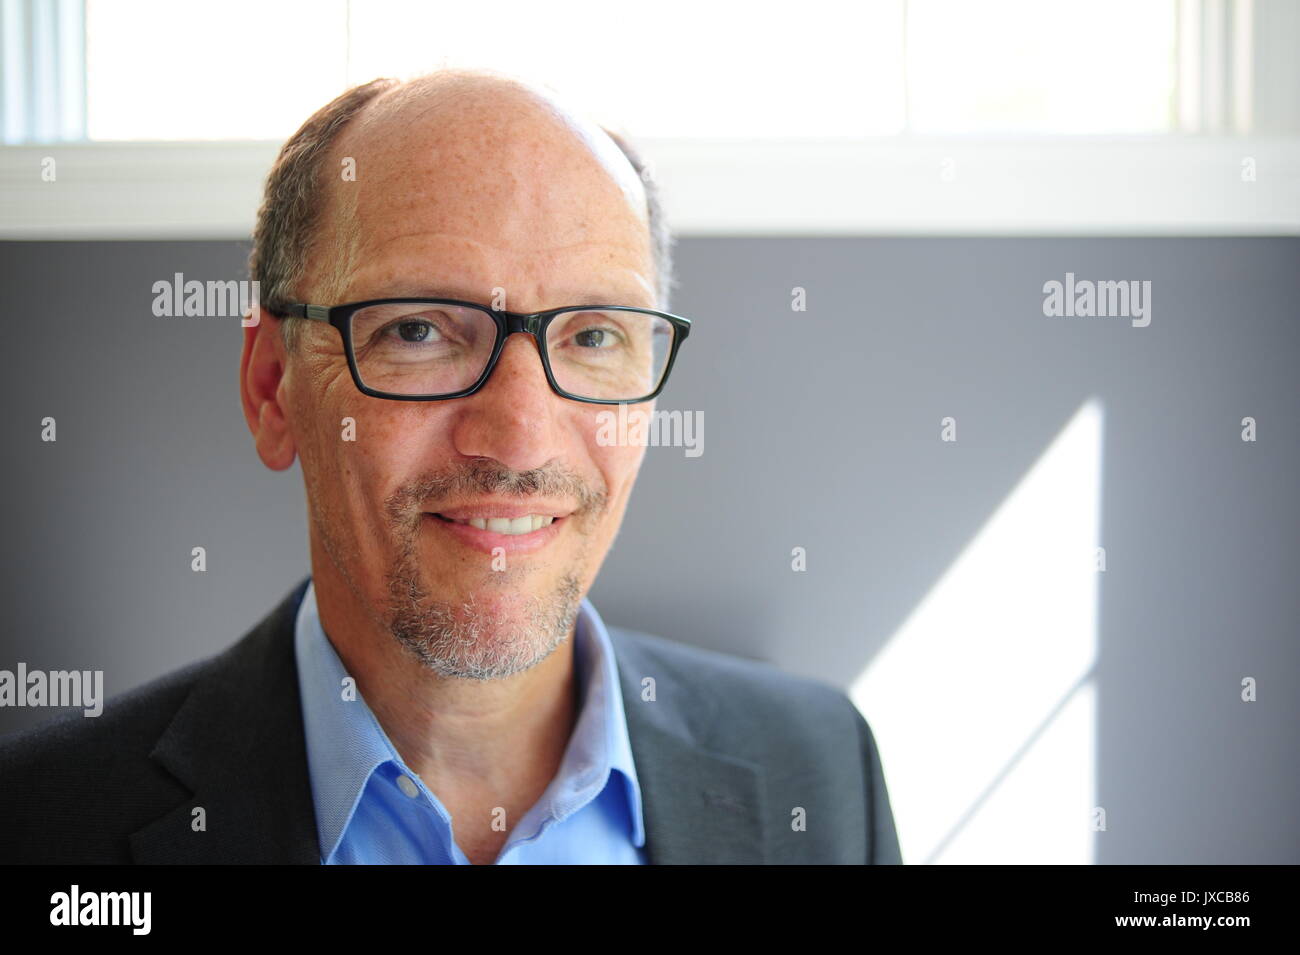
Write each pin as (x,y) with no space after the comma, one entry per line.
(508,323)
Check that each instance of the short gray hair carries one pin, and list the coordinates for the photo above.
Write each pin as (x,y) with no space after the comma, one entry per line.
(288,222)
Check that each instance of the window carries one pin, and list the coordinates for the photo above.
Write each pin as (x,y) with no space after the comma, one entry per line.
(254,69)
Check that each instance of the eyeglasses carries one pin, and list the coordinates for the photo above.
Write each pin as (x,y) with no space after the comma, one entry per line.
(432,349)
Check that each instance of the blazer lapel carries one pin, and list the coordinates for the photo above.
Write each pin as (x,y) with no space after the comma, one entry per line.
(700,806)
(237,742)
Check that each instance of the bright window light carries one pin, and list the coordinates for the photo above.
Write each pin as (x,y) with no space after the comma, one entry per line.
(1025,66)
(680,69)
(238,69)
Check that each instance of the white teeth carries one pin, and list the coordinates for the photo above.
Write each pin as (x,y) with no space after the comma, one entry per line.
(509,525)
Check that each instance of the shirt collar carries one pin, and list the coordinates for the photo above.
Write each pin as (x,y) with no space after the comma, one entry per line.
(346,744)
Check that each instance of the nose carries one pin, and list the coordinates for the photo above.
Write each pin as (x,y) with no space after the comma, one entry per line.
(511,419)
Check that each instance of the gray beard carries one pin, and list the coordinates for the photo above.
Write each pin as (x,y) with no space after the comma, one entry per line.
(471,642)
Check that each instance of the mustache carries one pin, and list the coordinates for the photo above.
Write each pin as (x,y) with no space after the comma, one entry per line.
(485,476)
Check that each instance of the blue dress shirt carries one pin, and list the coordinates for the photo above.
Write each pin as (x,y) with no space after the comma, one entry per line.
(371,808)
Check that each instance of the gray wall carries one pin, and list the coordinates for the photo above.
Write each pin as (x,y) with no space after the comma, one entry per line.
(812,420)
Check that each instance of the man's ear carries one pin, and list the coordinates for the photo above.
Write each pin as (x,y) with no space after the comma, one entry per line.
(261,372)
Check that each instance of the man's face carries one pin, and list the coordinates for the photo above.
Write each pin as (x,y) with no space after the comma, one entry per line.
(457,197)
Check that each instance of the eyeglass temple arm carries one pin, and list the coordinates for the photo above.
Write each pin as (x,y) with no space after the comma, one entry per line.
(316,313)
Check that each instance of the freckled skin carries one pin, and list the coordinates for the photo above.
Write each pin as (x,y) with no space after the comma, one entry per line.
(465,184)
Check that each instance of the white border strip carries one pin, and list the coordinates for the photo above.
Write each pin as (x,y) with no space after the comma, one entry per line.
(1085,186)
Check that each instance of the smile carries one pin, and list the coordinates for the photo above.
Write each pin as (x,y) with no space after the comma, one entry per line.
(517,536)
(512,526)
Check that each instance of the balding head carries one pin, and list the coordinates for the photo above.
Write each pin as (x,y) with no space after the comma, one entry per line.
(467,111)
(457,146)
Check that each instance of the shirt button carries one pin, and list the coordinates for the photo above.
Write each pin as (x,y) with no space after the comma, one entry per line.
(407,785)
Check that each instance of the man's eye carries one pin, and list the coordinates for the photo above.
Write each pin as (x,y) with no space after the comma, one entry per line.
(595,338)
(414,332)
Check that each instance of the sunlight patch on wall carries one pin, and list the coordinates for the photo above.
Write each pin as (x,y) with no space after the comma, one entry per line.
(981,702)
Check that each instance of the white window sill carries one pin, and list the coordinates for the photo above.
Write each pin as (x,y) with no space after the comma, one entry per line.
(1084,186)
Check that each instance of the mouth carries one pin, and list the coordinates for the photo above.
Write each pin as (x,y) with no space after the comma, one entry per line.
(511,526)
(515,534)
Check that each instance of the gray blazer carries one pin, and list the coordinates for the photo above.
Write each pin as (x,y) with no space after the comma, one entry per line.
(725,754)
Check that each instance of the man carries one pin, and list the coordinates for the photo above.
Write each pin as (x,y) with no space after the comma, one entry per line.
(440,690)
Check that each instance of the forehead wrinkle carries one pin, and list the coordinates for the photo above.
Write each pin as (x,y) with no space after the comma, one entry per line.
(513,248)
(624,284)
(513,207)
(495,263)
(505,215)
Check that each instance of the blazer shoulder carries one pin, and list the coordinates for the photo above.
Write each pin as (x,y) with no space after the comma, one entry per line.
(136,716)
(725,689)
(132,721)
(74,788)
(812,744)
